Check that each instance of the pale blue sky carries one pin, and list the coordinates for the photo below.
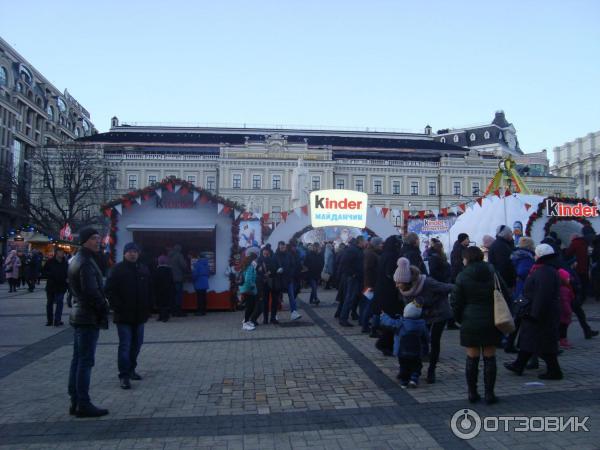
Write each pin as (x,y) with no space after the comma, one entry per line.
(378,64)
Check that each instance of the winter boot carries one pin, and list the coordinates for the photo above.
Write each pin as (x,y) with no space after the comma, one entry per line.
(471,373)
(431,373)
(489,379)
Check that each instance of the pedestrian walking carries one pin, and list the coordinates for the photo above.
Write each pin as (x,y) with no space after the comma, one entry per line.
(164,288)
(89,314)
(413,337)
(12,269)
(314,264)
(200,274)
(56,273)
(249,290)
(128,291)
(179,268)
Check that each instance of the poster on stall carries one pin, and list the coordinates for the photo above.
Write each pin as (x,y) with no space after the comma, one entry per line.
(250,234)
(432,228)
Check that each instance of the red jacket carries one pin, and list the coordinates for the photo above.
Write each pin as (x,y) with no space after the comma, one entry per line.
(579,249)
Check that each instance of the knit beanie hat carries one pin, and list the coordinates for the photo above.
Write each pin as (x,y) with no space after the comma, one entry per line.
(412,311)
(131,246)
(488,241)
(543,250)
(504,232)
(462,237)
(85,234)
(402,273)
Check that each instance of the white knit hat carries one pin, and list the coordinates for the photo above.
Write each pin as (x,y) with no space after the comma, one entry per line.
(412,311)
(543,250)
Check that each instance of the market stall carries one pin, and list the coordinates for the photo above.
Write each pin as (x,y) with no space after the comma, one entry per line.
(176,212)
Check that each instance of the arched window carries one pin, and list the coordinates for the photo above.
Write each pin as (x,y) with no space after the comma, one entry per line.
(25,74)
(3,77)
(455,138)
(62,106)
(486,135)
(472,137)
(443,140)
(50,111)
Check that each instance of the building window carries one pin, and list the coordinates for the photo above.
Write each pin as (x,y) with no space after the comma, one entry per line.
(456,188)
(151,180)
(475,188)
(256,182)
(3,77)
(112,182)
(210,183)
(414,188)
(443,140)
(276,182)
(340,183)
(50,111)
(587,180)
(316,183)
(132,183)
(486,135)
(359,185)
(236,182)
(276,213)
(432,188)
(191,179)
(396,187)
(473,137)
(455,138)
(377,187)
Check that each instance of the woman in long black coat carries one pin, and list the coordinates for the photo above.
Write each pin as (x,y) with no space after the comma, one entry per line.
(386,297)
(473,305)
(539,329)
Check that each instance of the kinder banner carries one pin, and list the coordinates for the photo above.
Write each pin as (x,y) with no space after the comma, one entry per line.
(431,226)
(338,207)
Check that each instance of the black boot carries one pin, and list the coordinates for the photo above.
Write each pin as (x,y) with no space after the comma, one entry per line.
(431,373)
(89,410)
(73,407)
(471,372)
(489,379)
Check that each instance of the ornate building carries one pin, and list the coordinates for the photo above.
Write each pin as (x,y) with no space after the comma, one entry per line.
(254,166)
(33,112)
(580,159)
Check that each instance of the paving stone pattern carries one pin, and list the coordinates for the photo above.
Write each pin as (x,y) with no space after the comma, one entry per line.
(309,384)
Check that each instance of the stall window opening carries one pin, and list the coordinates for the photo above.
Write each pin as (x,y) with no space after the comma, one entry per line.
(237,181)
(133,182)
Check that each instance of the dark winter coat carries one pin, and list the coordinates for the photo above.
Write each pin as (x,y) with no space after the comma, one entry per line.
(351,263)
(522,259)
(413,254)
(439,269)
(473,305)
(499,257)
(386,295)
(86,285)
(128,291)
(371,265)
(200,274)
(178,264)
(539,327)
(164,286)
(414,338)
(456,260)
(314,263)
(286,261)
(56,274)
(433,297)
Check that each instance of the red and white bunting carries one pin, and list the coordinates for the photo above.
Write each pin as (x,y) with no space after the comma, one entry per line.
(265,217)
(436,212)
(226,210)
(445,212)
(480,201)
(527,206)
(284,215)
(405,214)
(219,208)
(454,209)
(462,207)
(195,196)
(497,193)
(159,192)
(119,208)
(507,193)
(421,215)
(298,212)
(385,211)
(204,199)
(177,187)
(138,200)
(304,210)
(237,214)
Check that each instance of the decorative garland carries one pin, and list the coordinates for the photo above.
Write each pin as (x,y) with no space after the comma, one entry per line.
(552,220)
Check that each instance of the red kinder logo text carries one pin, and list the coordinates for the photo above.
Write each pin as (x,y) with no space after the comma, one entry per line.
(558,209)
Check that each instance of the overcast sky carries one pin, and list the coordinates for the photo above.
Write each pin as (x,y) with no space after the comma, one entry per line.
(377,64)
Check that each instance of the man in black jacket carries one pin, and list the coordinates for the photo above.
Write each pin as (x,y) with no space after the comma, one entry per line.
(128,291)
(411,251)
(352,268)
(314,263)
(55,272)
(88,315)
(456,256)
(499,256)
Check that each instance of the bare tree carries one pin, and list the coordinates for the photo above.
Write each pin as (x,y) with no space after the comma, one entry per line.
(69,182)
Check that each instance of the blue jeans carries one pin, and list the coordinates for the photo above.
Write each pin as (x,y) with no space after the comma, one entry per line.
(131,338)
(85,339)
(291,292)
(178,296)
(364,309)
(51,299)
(313,289)
(351,293)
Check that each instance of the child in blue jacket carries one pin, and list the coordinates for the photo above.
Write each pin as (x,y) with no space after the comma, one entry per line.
(413,338)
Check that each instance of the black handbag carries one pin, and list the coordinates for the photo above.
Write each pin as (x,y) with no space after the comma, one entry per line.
(521,307)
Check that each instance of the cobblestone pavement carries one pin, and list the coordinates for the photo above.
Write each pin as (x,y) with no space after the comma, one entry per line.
(305,384)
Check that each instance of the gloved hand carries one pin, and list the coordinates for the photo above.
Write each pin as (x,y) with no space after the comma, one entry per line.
(280,270)
(254,264)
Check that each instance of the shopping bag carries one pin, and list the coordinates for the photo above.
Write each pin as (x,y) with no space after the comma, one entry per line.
(503,319)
